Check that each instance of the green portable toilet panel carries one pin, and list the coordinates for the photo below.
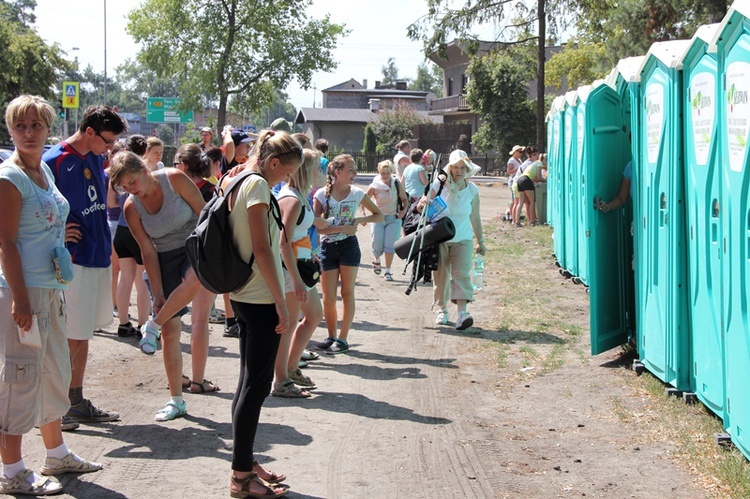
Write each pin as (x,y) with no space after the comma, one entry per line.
(571,188)
(702,205)
(550,124)
(733,44)
(664,334)
(582,95)
(559,185)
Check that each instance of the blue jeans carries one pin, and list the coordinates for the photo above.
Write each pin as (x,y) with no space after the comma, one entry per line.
(385,234)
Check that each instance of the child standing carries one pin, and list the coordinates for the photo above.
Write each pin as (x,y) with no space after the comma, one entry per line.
(339,248)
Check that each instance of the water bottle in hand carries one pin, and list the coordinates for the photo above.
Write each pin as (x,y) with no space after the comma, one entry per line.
(477,272)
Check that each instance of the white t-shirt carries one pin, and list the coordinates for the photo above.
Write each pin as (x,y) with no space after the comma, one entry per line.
(300,231)
(459,207)
(517,164)
(340,212)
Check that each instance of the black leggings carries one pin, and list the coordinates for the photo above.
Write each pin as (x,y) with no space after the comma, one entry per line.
(258,345)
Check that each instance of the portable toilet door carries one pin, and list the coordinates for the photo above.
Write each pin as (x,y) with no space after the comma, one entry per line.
(571,189)
(606,151)
(703,209)
(550,124)
(733,41)
(582,95)
(558,169)
(664,335)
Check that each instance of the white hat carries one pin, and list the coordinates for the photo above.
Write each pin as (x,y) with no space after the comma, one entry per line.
(458,156)
(516,148)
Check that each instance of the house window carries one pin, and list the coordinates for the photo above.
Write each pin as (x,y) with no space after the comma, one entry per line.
(464,82)
(450,87)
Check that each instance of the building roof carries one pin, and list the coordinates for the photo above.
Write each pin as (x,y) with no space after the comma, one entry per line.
(333,115)
(381,92)
(350,84)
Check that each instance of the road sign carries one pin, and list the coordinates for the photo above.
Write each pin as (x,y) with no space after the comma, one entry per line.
(163,110)
(70,94)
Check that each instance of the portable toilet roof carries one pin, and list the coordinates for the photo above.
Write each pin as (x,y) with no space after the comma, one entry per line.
(570,98)
(668,53)
(583,92)
(706,34)
(741,7)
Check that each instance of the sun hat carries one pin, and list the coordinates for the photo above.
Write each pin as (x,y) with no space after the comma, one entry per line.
(281,125)
(207,129)
(516,148)
(458,156)
(241,137)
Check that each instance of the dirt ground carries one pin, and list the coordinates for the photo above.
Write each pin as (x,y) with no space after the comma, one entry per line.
(514,407)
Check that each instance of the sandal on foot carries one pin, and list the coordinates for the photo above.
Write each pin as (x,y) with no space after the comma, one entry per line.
(388,276)
(273,478)
(288,389)
(149,339)
(185,383)
(206,386)
(19,485)
(269,492)
(171,411)
(308,355)
(376,267)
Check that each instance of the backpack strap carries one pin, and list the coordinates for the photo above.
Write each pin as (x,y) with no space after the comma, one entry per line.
(301,216)
(399,203)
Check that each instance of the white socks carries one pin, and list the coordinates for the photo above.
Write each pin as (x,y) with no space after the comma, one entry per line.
(58,452)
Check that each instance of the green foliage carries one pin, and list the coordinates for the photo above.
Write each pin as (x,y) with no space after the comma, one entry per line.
(390,73)
(394,125)
(576,65)
(279,107)
(371,141)
(219,49)
(498,94)
(429,79)
(166,134)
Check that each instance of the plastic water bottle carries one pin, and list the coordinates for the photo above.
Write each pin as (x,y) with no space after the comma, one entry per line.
(477,273)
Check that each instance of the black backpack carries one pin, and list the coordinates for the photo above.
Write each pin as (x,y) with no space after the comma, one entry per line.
(210,247)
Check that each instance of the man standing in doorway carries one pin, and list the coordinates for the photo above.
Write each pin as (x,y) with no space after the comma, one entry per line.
(78,167)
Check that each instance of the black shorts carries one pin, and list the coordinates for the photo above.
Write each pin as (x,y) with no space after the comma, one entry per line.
(524,183)
(173,265)
(126,246)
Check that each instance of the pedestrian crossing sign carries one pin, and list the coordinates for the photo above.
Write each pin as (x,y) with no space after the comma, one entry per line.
(70,94)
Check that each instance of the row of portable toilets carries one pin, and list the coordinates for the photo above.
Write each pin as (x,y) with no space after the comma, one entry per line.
(671,269)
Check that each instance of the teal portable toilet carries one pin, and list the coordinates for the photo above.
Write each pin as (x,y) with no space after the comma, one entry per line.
(733,45)
(663,333)
(557,172)
(550,124)
(570,221)
(582,95)
(607,151)
(703,210)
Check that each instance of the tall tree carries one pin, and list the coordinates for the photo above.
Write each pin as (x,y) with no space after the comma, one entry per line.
(429,79)
(390,73)
(227,47)
(395,124)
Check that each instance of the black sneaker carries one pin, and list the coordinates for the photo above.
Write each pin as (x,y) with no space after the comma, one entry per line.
(126,330)
(86,412)
(325,344)
(68,424)
(232,331)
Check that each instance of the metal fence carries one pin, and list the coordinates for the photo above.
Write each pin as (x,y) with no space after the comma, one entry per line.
(492,164)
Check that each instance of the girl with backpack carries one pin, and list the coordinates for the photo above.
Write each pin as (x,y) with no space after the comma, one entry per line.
(260,304)
(339,248)
(296,251)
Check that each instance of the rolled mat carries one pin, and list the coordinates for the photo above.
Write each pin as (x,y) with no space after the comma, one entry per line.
(435,233)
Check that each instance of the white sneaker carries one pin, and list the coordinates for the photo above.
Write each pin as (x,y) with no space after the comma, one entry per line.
(442,317)
(464,321)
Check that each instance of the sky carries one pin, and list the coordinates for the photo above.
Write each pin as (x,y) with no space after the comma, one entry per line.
(378,31)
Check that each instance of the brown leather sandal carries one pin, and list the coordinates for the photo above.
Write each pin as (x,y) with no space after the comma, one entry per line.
(268,493)
(273,478)
(206,386)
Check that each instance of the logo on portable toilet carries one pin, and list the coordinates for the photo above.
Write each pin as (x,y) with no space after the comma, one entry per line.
(738,117)
(655,119)
(703,90)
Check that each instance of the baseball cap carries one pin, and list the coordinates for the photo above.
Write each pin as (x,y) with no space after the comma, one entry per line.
(207,129)
(281,125)
(516,148)
(458,156)
(241,137)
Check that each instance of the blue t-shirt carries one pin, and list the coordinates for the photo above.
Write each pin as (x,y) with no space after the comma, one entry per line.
(41,227)
(81,180)
(412,183)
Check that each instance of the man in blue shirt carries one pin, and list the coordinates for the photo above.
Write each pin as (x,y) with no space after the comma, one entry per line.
(78,167)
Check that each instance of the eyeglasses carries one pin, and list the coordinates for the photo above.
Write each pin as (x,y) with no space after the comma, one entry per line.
(108,142)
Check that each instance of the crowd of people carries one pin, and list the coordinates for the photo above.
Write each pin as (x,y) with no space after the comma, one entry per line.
(522,179)
(96,215)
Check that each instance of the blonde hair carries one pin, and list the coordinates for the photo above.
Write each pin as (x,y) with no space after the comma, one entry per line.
(337,164)
(122,163)
(385,164)
(302,179)
(152,142)
(20,105)
(275,144)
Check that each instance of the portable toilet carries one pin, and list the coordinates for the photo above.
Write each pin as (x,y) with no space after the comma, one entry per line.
(606,151)
(703,210)
(582,95)
(570,221)
(733,49)
(550,149)
(663,333)
(557,172)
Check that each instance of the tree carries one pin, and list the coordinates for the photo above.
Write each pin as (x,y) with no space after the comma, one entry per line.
(30,66)
(395,124)
(279,107)
(390,73)
(429,79)
(498,94)
(228,47)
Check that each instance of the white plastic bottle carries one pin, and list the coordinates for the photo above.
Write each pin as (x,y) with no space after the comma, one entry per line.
(477,272)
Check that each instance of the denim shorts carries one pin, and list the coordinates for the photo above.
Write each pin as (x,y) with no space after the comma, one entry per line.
(340,253)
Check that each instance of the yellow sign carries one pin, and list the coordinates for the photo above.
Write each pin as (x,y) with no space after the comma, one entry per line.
(70,94)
